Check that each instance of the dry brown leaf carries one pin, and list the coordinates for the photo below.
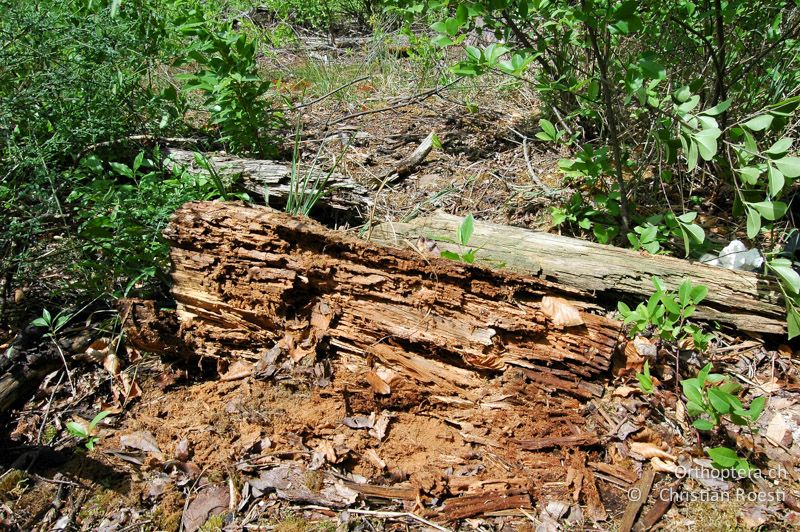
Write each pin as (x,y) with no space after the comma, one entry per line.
(624,391)
(785,351)
(326,448)
(379,428)
(778,431)
(112,364)
(210,502)
(662,466)
(561,312)
(377,384)
(238,370)
(374,459)
(182,450)
(143,441)
(650,450)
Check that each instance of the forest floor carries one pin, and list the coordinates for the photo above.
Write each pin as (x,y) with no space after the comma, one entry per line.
(253,451)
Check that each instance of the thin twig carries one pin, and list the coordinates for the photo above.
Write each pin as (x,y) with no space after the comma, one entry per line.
(166,140)
(47,410)
(410,101)
(327,94)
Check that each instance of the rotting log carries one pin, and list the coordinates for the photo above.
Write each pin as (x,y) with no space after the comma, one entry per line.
(745,300)
(249,278)
(272,180)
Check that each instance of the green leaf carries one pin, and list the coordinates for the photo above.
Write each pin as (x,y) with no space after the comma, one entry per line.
(757,407)
(702,375)
(703,424)
(40,322)
(450,255)
(669,302)
(691,389)
(749,175)
(719,400)
(732,388)
(759,123)
(548,128)
(465,230)
(723,456)
(707,142)
(790,278)
(789,166)
(684,292)
(776,181)
(770,210)
(683,94)
(694,409)
(718,109)
(792,322)
(691,156)
(753,222)
(98,418)
(780,147)
(699,293)
(77,429)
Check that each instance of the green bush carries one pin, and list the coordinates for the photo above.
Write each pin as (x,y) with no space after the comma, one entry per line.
(698,96)
(120,211)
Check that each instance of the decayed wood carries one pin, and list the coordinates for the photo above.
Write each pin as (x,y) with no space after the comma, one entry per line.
(745,300)
(490,501)
(248,277)
(261,177)
(577,440)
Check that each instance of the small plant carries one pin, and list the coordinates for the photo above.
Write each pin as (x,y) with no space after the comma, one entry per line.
(645,380)
(54,324)
(712,398)
(463,236)
(228,77)
(727,458)
(598,215)
(661,229)
(667,313)
(305,189)
(86,433)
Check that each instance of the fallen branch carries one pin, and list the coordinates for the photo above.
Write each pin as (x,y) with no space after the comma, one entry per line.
(272,179)
(747,301)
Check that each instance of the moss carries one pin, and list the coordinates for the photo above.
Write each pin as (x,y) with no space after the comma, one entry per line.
(292,524)
(214,524)
(171,522)
(314,480)
(49,434)
(13,484)
(98,505)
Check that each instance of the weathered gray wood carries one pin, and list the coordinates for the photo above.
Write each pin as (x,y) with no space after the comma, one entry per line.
(745,300)
(259,176)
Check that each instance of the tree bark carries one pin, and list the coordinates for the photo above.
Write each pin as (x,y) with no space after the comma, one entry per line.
(248,279)
(745,300)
